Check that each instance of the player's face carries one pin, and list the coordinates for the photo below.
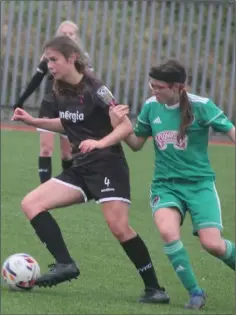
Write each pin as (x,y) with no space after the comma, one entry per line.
(58,65)
(68,30)
(161,90)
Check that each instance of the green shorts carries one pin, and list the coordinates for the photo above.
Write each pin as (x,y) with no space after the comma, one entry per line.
(200,199)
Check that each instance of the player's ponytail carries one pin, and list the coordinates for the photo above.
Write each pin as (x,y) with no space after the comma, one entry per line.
(185,112)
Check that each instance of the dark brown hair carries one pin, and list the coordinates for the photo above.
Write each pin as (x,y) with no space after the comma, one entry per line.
(173,72)
(66,46)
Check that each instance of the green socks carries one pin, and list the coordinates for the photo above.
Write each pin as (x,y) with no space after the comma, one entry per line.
(178,257)
(181,264)
(229,257)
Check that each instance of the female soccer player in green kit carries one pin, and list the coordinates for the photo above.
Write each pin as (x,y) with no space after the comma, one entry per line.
(183,179)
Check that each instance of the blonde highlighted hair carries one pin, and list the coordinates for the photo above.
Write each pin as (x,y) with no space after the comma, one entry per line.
(77,40)
(71,23)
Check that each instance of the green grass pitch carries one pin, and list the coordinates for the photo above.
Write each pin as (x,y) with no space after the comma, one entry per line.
(109,283)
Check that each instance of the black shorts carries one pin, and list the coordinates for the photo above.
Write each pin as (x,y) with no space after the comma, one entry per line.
(102,180)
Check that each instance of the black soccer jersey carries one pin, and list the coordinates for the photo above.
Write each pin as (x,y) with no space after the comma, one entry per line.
(84,116)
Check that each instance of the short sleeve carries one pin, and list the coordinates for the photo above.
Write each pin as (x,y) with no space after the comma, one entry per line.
(142,127)
(214,117)
(104,97)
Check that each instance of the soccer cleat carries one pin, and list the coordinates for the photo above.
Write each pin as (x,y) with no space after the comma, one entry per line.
(152,295)
(58,273)
(197,300)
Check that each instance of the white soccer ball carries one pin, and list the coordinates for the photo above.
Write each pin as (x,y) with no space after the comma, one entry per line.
(20,271)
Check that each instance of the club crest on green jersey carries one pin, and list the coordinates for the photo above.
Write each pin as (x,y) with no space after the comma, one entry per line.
(170,137)
(155,200)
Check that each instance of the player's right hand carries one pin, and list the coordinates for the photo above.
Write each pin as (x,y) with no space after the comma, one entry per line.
(117,114)
(21,115)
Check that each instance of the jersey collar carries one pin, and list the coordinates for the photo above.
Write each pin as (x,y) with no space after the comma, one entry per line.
(172,106)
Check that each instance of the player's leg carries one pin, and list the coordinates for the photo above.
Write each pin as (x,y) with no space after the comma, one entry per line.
(169,212)
(46,144)
(116,216)
(211,240)
(45,155)
(112,191)
(207,221)
(62,191)
(66,157)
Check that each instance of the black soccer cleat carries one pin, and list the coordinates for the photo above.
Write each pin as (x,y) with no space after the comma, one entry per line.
(155,296)
(58,273)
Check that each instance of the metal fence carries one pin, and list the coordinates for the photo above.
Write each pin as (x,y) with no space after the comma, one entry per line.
(124,38)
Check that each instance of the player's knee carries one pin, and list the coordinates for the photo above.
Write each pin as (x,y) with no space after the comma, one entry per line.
(117,229)
(116,216)
(30,207)
(168,233)
(168,224)
(66,155)
(120,229)
(214,244)
(46,150)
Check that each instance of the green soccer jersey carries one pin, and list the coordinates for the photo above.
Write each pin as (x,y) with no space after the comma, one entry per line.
(187,158)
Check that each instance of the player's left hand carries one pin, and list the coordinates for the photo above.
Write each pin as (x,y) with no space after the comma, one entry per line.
(89,145)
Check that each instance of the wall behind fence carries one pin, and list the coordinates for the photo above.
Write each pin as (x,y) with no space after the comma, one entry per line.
(124,38)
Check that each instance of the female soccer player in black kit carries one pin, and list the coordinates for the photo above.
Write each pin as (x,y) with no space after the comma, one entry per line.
(70,29)
(99,170)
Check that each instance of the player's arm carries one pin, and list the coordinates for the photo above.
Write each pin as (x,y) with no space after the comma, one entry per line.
(122,127)
(119,112)
(214,116)
(142,130)
(50,124)
(104,100)
(134,142)
(34,83)
(119,133)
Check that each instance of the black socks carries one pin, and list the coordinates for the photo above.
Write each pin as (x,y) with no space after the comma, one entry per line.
(138,253)
(50,235)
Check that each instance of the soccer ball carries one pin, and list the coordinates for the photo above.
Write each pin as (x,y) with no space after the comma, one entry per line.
(20,271)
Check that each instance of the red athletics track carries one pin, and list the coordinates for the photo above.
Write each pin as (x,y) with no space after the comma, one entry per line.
(12,127)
